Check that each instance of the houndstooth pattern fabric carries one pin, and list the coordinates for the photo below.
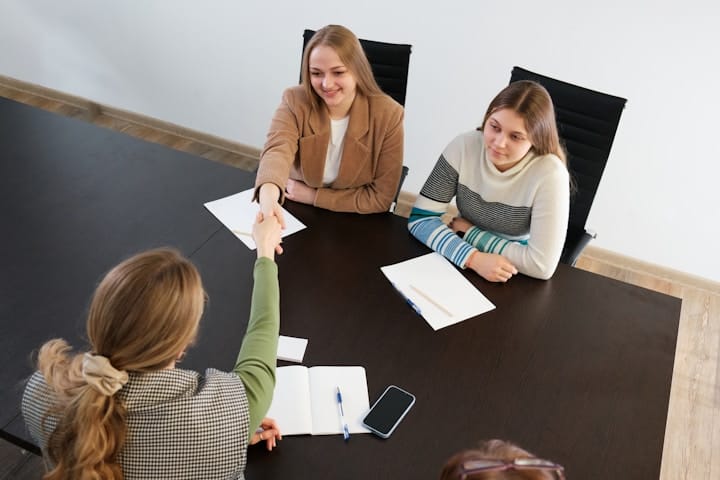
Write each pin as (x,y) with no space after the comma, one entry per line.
(180,424)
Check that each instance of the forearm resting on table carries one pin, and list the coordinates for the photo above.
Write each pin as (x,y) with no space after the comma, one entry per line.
(365,199)
(429,228)
(531,259)
(257,358)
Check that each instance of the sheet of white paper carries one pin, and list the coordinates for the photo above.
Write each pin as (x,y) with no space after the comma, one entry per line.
(323,390)
(237,212)
(291,349)
(440,293)
(291,400)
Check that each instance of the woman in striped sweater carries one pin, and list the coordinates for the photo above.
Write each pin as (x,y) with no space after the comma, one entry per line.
(512,188)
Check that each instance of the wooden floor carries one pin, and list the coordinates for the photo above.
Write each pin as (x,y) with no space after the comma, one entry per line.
(692,436)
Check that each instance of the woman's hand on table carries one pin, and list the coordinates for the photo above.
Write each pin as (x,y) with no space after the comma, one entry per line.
(268,432)
(298,191)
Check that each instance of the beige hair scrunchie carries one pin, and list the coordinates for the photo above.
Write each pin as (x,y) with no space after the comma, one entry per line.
(101,375)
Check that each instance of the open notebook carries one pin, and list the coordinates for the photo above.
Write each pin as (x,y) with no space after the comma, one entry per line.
(305,400)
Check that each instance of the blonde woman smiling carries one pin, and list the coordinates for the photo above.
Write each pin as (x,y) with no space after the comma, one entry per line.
(335,141)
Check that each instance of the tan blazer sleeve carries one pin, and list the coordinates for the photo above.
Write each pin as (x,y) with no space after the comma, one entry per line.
(382,166)
(281,145)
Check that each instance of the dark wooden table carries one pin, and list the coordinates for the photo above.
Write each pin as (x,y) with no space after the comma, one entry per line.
(577,368)
(75,199)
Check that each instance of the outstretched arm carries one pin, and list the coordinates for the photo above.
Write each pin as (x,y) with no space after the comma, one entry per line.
(277,157)
(256,361)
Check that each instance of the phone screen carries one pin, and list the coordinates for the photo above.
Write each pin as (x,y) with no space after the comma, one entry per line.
(387,412)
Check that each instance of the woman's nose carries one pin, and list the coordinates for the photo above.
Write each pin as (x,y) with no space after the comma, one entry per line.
(327,82)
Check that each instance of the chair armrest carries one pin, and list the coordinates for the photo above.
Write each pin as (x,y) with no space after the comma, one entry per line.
(575,243)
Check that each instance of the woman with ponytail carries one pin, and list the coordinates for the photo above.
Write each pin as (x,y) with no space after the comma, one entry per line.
(122,410)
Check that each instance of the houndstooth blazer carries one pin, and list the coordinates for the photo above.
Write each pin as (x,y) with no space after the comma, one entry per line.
(180,424)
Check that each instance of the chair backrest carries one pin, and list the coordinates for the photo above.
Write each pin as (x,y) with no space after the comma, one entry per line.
(389,62)
(587,121)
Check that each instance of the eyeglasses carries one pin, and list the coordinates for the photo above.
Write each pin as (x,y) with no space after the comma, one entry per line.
(470,468)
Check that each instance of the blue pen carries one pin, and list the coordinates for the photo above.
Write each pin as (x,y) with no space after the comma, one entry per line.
(407,300)
(412,304)
(346,431)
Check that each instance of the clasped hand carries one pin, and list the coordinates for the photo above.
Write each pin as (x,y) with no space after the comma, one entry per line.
(267,233)
(491,266)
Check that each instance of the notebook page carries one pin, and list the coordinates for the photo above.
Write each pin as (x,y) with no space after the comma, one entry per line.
(290,406)
(323,387)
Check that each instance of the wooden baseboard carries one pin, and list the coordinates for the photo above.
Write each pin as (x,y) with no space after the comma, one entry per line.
(640,266)
(95,109)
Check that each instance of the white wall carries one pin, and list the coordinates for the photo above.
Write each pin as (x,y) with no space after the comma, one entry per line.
(220,67)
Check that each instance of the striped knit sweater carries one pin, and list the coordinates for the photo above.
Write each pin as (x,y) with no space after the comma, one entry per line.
(521,213)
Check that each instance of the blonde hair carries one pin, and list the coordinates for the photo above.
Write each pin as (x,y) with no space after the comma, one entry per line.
(143,314)
(531,101)
(493,450)
(351,54)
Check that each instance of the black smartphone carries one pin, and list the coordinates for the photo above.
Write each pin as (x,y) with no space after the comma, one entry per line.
(388,410)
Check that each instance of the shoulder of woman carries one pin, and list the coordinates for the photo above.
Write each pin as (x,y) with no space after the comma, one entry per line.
(468,139)
(37,390)
(550,164)
(295,94)
(36,380)
(385,103)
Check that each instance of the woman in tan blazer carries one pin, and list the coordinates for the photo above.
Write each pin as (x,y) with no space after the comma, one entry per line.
(336,140)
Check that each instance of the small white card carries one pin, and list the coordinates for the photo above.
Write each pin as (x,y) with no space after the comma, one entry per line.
(237,212)
(291,349)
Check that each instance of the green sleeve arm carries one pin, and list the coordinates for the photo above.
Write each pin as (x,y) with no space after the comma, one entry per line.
(256,361)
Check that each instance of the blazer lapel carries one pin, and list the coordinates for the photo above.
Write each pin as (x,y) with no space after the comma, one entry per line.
(356,152)
(313,148)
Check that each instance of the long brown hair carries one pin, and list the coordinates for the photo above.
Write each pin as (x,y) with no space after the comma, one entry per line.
(143,314)
(348,48)
(493,450)
(531,101)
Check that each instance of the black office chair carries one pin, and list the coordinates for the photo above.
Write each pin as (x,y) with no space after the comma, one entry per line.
(587,121)
(389,63)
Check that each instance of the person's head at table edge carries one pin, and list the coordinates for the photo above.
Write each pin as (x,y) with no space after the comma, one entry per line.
(499,460)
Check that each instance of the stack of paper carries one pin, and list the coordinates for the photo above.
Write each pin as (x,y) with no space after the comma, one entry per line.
(291,349)
(436,290)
